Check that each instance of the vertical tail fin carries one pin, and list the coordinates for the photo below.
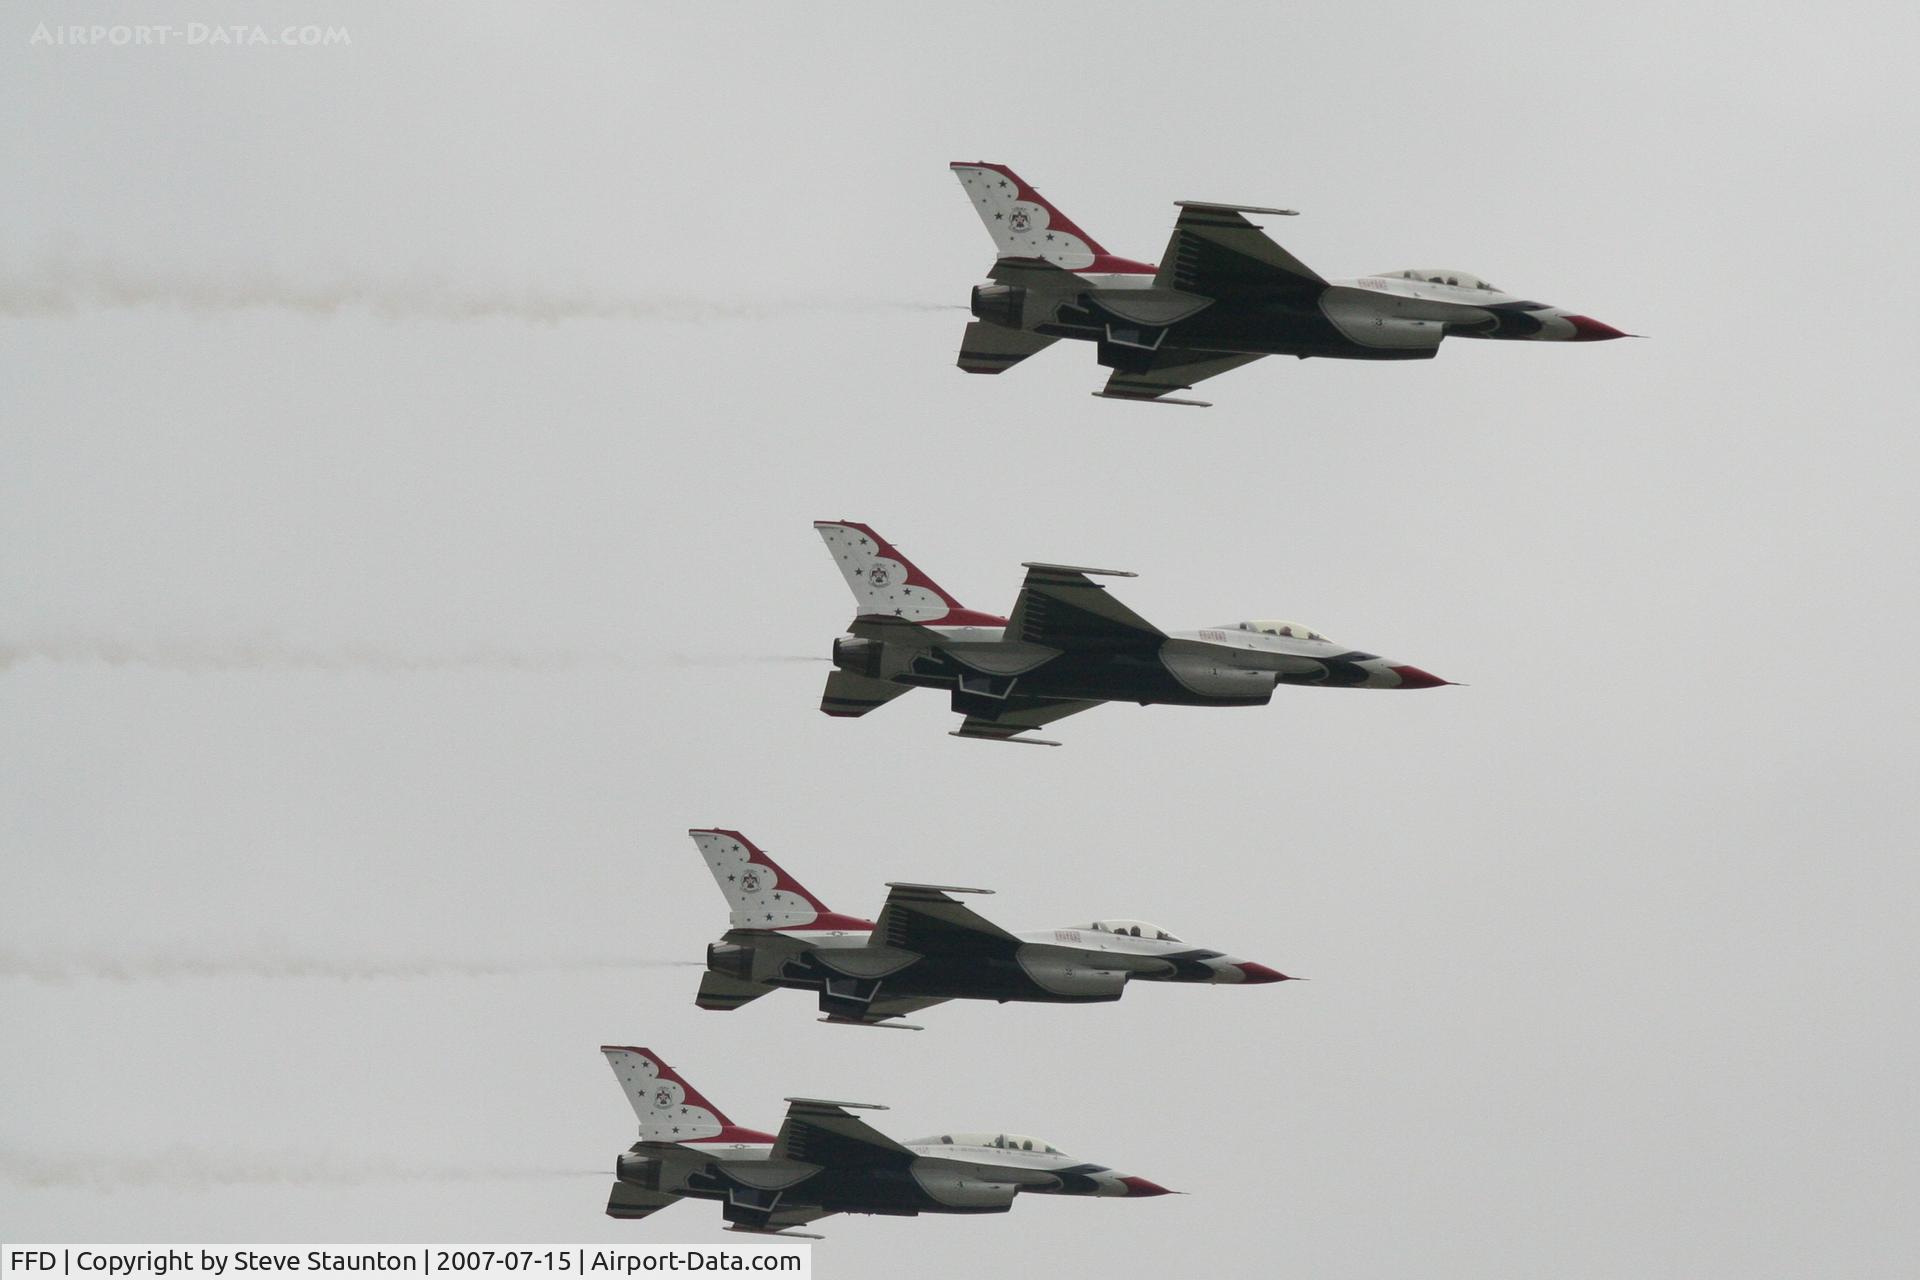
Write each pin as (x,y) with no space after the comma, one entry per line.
(1024,224)
(759,894)
(670,1109)
(887,583)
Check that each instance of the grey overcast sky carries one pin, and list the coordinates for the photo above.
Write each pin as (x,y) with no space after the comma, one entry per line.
(410,447)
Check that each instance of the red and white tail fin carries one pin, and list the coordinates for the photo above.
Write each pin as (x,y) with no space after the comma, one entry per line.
(670,1109)
(1024,224)
(761,895)
(885,582)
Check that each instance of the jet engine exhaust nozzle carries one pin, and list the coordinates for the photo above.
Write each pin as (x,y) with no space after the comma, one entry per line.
(641,1171)
(1001,304)
(730,961)
(857,657)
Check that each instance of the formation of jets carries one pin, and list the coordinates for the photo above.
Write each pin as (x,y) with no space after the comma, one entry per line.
(824,1160)
(927,947)
(1068,647)
(1223,295)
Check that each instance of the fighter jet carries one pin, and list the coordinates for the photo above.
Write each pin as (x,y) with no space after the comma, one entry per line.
(1223,296)
(1069,647)
(927,948)
(824,1160)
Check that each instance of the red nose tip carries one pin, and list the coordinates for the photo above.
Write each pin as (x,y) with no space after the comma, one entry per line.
(1586,329)
(1415,678)
(1142,1187)
(1251,972)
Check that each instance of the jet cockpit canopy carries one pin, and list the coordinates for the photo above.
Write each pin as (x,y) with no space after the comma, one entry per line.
(1132,929)
(1443,275)
(998,1141)
(1278,627)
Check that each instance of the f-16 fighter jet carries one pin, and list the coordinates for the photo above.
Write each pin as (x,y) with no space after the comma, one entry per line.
(927,948)
(824,1160)
(1069,646)
(1223,295)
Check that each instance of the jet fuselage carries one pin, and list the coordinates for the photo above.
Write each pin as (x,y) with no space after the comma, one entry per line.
(1215,666)
(956,1173)
(1075,965)
(1398,316)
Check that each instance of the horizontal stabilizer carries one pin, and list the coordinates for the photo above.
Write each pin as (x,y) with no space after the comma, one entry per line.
(719,992)
(850,695)
(629,1201)
(992,348)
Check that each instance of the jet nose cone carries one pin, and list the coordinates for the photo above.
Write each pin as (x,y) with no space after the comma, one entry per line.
(1251,972)
(1415,678)
(1587,329)
(1142,1187)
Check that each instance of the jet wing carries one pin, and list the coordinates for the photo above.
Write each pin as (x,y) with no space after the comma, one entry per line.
(820,1132)
(866,1004)
(629,1201)
(922,918)
(1020,715)
(1175,370)
(888,1008)
(1216,252)
(759,1221)
(1062,608)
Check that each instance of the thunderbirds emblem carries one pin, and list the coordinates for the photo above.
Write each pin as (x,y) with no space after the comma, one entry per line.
(750,882)
(878,576)
(1019,220)
(663,1097)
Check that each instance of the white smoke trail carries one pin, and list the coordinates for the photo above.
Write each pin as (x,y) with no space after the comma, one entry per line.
(266,655)
(740,659)
(158,965)
(60,287)
(270,655)
(191,1169)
